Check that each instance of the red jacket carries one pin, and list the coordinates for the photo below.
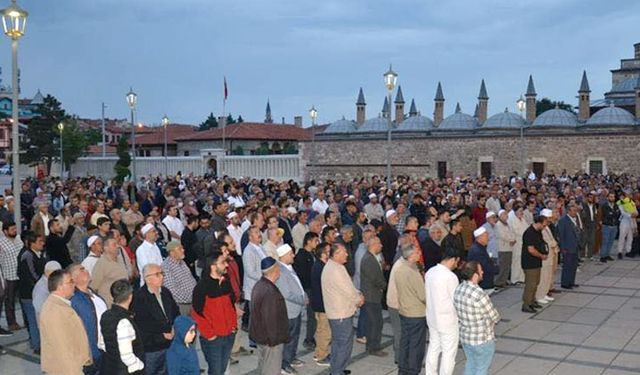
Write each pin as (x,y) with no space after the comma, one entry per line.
(213,310)
(234,274)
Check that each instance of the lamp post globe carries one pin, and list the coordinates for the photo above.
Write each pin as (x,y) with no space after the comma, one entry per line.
(165,123)
(14,20)
(132,102)
(521,104)
(390,79)
(61,128)
(313,113)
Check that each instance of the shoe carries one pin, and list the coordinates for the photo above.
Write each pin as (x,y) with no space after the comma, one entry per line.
(242,352)
(288,371)
(233,361)
(575,286)
(528,309)
(566,286)
(555,291)
(549,298)
(603,260)
(253,345)
(15,327)
(325,362)
(379,353)
(542,301)
(594,258)
(361,340)
(630,255)
(346,372)
(619,255)
(609,258)
(536,305)
(5,333)
(297,362)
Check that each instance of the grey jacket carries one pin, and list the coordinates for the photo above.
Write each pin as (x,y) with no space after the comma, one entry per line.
(291,290)
(372,282)
(252,255)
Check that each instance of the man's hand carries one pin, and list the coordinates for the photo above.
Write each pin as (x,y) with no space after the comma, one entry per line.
(169,335)
(544,256)
(361,301)
(213,338)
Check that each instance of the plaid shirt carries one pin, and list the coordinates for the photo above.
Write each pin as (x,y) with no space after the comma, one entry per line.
(9,250)
(178,279)
(476,314)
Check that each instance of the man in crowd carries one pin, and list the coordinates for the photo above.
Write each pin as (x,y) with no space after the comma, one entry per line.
(41,289)
(610,221)
(65,346)
(322,331)
(95,246)
(477,318)
(189,243)
(389,238)
(107,270)
(372,285)
(534,251)
(300,229)
(252,257)
(506,241)
(373,209)
(31,263)
(303,265)
(148,252)
(569,244)
(478,253)
(177,277)
(10,246)
(56,243)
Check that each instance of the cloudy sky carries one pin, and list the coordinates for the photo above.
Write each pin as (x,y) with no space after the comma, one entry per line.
(302,52)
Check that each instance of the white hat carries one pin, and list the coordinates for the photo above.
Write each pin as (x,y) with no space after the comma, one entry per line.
(372,195)
(351,197)
(145,229)
(546,212)
(231,215)
(92,239)
(389,213)
(292,210)
(51,266)
(501,212)
(480,231)
(282,250)
(489,214)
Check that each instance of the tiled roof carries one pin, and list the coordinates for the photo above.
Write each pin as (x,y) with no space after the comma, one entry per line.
(255,131)
(156,136)
(97,150)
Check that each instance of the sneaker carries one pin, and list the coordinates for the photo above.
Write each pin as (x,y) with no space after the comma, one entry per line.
(5,333)
(548,298)
(362,340)
(542,301)
(297,362)
(325,362)
(603,260)
(288,371)
(233,361)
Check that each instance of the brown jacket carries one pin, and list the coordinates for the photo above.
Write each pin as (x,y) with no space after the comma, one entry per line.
(37,224)
(64,342)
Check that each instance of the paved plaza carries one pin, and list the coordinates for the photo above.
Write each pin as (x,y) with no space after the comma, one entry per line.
(594,329)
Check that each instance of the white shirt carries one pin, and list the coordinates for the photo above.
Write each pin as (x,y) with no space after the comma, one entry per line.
(236,201)
(147,253)
(89,262)
(173,224)
(101,307)
(236,234)
(440,284)
(45,221)
(320,206)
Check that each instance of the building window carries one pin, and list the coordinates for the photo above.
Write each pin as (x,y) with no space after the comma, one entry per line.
(442,170)
(538,168)
(2,134)
(486,169)
(186,153)
(596,166)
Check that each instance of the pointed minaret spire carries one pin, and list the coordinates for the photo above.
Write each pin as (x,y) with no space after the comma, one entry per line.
(439,95)
(458,109)
(475,113)
(531,89)
(399,104)
(399,97)
(361,98)
(361,106)
(385,108)
(530,98)
(413,111)
(438,111)
(584,84)
(584,112)
(483,91)
(267,117)
(483,103)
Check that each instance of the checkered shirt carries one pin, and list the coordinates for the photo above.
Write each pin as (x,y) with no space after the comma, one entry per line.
(9,250)
(476,314)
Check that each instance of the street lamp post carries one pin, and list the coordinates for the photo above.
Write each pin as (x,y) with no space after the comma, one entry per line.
(390,78)
(165,123)
(14,21)
(520,103)
(61,128)
(132,100)
(313,113)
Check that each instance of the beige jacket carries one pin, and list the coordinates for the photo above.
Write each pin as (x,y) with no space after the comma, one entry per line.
(411,291)
(338,292)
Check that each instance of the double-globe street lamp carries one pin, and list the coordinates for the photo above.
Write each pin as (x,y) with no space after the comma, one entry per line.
(132,101)
(521,104)
(61,128)
(390,78)
(165,123)
(313,113)
(14,21)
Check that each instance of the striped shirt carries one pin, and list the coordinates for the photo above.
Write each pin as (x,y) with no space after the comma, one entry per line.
(9,249)
(477,316)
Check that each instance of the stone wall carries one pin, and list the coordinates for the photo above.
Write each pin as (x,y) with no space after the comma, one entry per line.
(419,156)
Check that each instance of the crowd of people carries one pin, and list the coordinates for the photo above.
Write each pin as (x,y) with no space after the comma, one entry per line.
(130,279)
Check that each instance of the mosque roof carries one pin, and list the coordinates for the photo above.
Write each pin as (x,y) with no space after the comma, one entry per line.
(416,123)
(341,126)
(504,120)
(377,124)
(556,118)
(459,121)
(612,116)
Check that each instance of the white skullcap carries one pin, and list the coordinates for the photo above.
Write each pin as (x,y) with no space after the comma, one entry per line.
(51,266)
(145,229)
(372,195)
(389,213)
(480,231)
(292,210)
(489,214)
(231,215)
(351,197)
(546,212)
(501,212)
(282,250)
(91,240)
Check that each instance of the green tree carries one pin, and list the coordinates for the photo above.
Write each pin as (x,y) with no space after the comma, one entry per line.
(546,104)
(230,120)
(42,138)
(240,119)
(238,151)
(263,149)
(209,123)
(75,141)
(124,160)
(289,148)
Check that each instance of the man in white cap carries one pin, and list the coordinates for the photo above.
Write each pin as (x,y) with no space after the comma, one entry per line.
(478,252)
(373,209)
(490,225)
(148,252)
(546,273)
(235,230)
(291,289)
(389,238)
(94,244)
(41,289)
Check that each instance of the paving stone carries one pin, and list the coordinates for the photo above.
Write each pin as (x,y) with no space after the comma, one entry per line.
(590,316)
(574,369)
(603,357)
(570,333)
(607,302)
(557,313)
(549,350)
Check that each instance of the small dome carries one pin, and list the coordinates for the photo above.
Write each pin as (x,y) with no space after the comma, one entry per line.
(341,126)
(459,121)
(556,118)
(627,85)
(416,123)
(504,120)
(378,124)
(612,116)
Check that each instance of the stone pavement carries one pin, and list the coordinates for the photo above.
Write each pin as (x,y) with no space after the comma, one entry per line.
(590,330)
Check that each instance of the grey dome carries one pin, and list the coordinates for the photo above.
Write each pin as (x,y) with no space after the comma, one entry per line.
(459,121)
(612,116)
(341,126)
(416,123)
(556,118)
(628,84)
(378,124)
(504,120)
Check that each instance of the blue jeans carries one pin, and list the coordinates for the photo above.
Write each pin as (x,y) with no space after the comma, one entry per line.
(361,331)
(217,353)
(32,323)
(291,348)
(341,344)
(479,358)
(155,363)
(608,236)
(413,343)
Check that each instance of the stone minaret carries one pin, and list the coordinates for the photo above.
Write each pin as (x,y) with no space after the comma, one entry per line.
(361,108)
(530,98)
(438,111)
(413,111)
(399,102)
(637,90)
(583,98)
(267,115)
(483,101)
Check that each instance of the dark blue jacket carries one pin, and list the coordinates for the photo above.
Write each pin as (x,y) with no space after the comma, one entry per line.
(84,307)
(568,235)
(479,254)
(182,359)
(317,303)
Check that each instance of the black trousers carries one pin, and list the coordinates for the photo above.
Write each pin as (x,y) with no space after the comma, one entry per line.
(413,343)
(374,326)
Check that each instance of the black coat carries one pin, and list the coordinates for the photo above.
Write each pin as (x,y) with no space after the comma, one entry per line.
(56,247)
(151,320)
(268,322)
(302,264)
